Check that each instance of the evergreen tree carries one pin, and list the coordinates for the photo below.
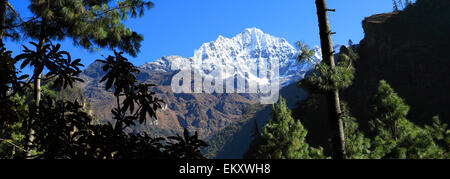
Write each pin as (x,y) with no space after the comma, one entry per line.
(285,138)
(9,21)
(357,145)
(325,80)
(441,135)
(397,4)
(86,22)
(333,99)
(397,137)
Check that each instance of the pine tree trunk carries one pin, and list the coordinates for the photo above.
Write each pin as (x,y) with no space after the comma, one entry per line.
(334,107)
(37,85)
(3,9)
(3,6)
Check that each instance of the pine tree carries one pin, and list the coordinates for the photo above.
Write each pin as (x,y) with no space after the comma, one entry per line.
(334,104)
(9,21)
(3,12)
(285,138)
(441,134)
(397,137)
(87,23)
(399,4)
(395,5)
(357,145)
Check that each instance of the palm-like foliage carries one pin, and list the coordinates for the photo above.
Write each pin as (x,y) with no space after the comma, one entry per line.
(121,75)
(64,130)
(59,63)
(186,147)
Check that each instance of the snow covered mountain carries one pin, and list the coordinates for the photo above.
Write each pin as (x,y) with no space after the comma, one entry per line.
(252,46)
(202,112)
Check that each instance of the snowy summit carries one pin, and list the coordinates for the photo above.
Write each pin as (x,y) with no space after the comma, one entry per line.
(251,46)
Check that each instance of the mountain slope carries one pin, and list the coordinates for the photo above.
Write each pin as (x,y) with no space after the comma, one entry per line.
(205,113)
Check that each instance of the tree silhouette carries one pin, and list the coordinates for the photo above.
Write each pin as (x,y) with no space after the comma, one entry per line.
(63,130)
(87,23)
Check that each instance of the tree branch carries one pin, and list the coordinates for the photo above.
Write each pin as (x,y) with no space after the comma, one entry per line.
(10,143)
(12,9)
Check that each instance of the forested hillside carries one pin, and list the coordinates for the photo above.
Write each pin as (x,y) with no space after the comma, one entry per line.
(408,49)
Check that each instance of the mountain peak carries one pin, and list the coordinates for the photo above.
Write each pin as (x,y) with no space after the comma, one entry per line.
(253,30)
(220,38)
(251,46)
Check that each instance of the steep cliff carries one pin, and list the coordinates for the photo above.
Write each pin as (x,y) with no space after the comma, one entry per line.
(408,49)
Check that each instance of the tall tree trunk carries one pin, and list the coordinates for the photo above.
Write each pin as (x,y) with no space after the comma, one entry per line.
(3,6)
(37,97)
(3,9)
(334,104)
(37,84)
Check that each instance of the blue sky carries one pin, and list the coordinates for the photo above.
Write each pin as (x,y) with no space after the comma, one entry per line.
(178,27)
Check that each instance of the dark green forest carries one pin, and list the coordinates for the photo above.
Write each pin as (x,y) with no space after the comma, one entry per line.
(368,114)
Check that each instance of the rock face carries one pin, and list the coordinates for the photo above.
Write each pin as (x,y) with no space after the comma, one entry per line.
(409,50)
(205,113)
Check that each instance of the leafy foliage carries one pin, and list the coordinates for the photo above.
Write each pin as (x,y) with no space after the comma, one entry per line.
(59,63)
(64,130)
(12,111)
(187,147)
(68,133)
(9,80)
(120,74)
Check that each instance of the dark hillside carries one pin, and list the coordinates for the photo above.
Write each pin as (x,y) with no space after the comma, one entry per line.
(409,50)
